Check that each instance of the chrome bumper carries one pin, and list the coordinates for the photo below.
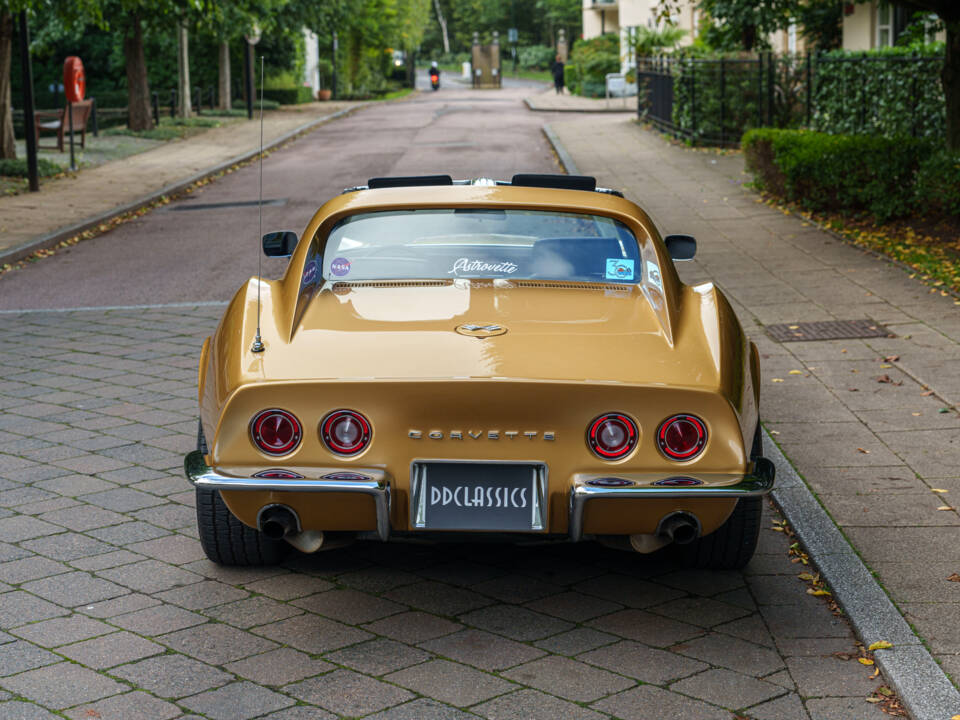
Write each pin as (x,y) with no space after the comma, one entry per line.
(377,486)
(758,482)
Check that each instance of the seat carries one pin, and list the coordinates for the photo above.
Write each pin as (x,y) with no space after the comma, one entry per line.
(57,121)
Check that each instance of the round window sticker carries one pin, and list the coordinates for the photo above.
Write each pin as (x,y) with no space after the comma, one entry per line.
(310,273)
(340,267)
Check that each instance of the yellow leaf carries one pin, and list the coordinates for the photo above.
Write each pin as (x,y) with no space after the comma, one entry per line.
(944,507)
(880,645)
(818,593)
(777,529)
(886,365)
(865,661)
(805,576)
(938,490)
(794,327)
(796,372)
(875,700)
(777,380)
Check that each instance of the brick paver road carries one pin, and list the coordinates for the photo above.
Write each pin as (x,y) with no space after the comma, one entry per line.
(108,608)
(108,605)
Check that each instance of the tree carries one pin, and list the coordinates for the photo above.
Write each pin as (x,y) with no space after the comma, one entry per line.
(949,13)
(69,13)
(8,147)
(751,20)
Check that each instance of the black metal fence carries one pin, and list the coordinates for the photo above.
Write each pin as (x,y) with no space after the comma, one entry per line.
(713,101)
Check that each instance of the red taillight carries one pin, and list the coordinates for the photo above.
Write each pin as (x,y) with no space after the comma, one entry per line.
(612,436)
(345,432)
(276,432)
(682,437)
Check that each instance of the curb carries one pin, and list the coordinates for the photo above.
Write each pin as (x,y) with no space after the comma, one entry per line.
(566,162)
(532,107)
(912,672)
(19,252)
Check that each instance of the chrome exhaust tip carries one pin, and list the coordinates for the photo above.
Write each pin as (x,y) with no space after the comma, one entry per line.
(278,522)
(680,528)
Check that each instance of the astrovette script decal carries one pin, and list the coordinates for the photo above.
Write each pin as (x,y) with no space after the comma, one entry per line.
(477,434)
(467,265)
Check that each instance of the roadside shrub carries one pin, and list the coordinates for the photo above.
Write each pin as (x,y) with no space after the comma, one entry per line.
(889,91)
(860,173)
(589,63)
(268,104)
(18,167)
(938,182)
(536,57)
(288,95)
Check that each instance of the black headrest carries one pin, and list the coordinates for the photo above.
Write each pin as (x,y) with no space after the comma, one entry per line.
(410,181)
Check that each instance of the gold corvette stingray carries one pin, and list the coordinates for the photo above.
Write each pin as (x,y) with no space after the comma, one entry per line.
(447,359)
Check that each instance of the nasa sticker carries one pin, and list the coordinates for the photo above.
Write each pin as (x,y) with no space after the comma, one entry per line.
(340,267)
(310,273)
(619,269)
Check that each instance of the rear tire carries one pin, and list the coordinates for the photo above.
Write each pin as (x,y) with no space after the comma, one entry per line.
(730,546)
(226,540)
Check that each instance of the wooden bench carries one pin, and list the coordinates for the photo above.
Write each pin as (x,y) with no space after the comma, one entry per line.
(58,122)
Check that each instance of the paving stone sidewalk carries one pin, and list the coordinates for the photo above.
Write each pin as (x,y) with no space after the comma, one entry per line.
(872,425)
(549,101)
(108,608)
(100,189)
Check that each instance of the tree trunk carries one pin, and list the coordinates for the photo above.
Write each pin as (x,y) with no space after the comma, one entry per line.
(138,87)
(8,149)
(225,98)
(951,84)
(443,27)
(185,108)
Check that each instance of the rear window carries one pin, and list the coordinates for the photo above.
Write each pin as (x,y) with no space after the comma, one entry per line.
(481,243)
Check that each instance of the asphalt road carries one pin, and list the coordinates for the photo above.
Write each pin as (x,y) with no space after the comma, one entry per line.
(185,252)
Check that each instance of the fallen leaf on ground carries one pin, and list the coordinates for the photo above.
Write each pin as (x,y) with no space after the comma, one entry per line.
(865,452)
(927,393)
(805,576)
(865,661)
(892,358)
(944,507)
(886,365)
(796,372)
(873,699)
(880,645)
(954,578)
(939,490)
(777,380)
(888,379)
(817,593)
(915,414)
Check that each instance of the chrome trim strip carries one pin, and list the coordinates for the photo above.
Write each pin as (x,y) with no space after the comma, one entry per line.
(758,482)
(202,475)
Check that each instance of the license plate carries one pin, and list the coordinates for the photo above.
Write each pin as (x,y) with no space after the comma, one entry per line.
(478,496)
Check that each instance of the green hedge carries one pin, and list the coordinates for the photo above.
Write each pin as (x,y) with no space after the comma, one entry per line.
(590,61)
(889,91)
(290,95)
(860,173)
(699,106)
(938,183)
(18,167)
(536,57)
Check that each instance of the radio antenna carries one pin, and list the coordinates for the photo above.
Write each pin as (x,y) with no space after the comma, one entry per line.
(258,345)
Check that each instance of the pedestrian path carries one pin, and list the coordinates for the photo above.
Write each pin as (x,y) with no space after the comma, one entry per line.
(550,101)
(871,424)
(74,200)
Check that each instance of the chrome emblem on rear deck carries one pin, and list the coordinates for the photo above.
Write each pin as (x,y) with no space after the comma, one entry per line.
(480,331)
